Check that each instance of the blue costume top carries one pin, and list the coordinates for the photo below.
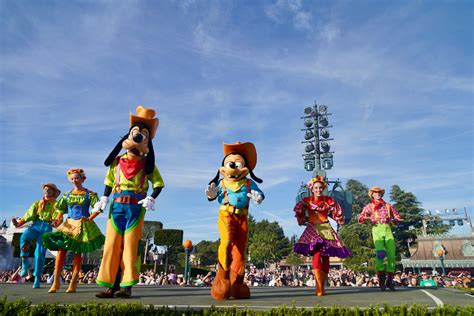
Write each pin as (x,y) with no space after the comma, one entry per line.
(236,192)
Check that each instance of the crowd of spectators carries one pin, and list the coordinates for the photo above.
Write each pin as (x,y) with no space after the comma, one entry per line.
(301,277)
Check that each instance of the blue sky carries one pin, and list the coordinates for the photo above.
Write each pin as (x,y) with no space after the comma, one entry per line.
(398,78)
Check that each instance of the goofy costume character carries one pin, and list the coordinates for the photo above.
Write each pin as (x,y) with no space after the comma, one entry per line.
(381,214)
(41,213)
(234,193)
(127,180)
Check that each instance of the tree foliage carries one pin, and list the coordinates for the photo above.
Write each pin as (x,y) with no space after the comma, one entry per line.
(206,252)
(267,242)
(410,211)
(358,237)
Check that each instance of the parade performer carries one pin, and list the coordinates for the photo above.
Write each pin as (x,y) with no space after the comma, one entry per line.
(40,213)
(319,239)
(79,233)
(234,193)
(381,215)
(127,180)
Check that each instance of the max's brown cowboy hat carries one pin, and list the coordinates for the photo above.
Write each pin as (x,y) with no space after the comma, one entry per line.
(145,116)
(53,186)
(247,150)
(376,189)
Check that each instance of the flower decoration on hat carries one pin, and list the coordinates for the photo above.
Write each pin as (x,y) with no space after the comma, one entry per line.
(78,171)
(319,179)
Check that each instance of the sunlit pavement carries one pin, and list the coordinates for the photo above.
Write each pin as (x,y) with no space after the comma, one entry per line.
(262,297)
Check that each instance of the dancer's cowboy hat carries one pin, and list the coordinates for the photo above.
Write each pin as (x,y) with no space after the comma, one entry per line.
(53,186)
(376,189)
(247,150)
(145,116)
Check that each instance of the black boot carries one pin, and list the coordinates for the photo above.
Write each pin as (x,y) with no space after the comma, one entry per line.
(382,279)
(390,283)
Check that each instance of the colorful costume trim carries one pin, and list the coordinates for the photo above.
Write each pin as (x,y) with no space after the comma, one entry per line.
(233,222)
(40,213)
(319,236)
(77,234)
(381,214)
(124,226)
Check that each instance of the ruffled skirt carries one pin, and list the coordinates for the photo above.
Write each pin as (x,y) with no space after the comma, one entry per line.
(323,238)
(75,235)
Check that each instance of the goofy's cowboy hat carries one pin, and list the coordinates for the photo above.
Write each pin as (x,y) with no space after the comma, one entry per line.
(146,117)
(246,150)
(376,189)
(53,186)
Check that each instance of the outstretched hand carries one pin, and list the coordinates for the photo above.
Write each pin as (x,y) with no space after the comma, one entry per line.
(255,196)
(211,191)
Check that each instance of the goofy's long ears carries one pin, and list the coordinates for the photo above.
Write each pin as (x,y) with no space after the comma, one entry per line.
(115,152)
(150,159)
(216,178)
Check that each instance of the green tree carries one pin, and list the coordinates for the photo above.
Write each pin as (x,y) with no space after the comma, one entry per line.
(207,252)
(294,260)
(267,242)
(358,237)
(410,211)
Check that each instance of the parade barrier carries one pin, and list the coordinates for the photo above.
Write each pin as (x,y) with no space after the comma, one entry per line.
(23,307)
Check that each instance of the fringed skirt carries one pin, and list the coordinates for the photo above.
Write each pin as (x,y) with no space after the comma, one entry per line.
(321,237)
(75,235)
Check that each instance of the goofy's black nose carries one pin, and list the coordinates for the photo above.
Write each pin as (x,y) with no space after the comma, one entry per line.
(137,138)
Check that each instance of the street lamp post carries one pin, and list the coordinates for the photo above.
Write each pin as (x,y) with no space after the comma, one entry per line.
(317,150)
(441,253)
(188,245)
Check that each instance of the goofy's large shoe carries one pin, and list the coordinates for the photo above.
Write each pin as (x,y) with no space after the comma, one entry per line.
(221,286)
(320,277)
(238,289)
(125,292)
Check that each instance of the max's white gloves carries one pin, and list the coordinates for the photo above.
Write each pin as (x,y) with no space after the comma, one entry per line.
(211,191)
(255,196)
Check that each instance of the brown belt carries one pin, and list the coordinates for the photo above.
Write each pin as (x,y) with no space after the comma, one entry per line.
(127,199)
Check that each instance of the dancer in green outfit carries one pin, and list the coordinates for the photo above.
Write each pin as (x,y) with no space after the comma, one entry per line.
(381,214)
(79,233)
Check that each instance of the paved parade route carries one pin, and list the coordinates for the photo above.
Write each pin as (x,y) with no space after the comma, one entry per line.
(262,297)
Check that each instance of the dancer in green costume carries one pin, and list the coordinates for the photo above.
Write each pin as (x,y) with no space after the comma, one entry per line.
(381,214)
(79,233)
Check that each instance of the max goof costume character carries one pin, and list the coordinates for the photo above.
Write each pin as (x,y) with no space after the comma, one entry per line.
(127,180)
(319,239)
(78,234)
(234,192)
(40,213)
(381,215)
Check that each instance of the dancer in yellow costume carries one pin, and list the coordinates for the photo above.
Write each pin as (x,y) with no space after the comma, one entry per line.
(127,180)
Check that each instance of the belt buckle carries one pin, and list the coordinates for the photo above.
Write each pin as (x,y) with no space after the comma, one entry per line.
(125,199)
